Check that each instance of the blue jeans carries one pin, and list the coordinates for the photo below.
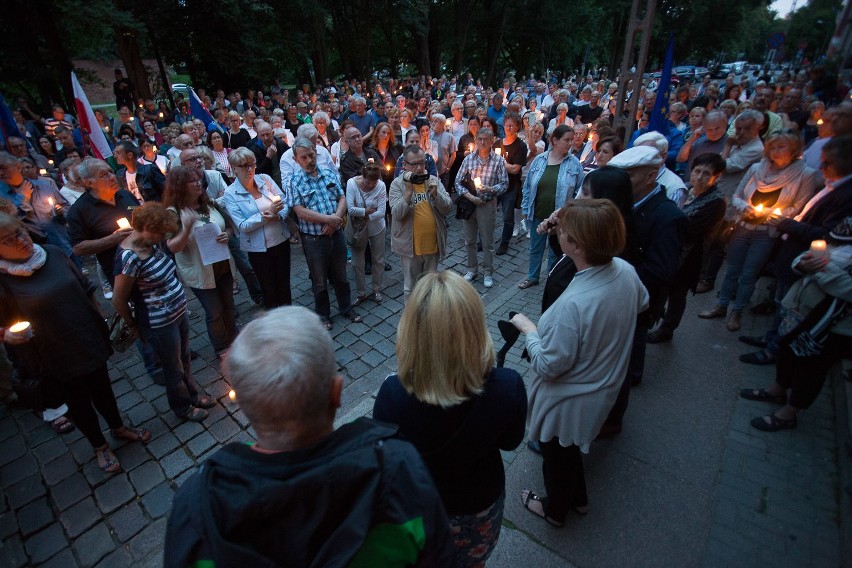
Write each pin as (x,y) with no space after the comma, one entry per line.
(507,203)
(326,258)
(221,315)
(748,251)
(171,345)
(537,245)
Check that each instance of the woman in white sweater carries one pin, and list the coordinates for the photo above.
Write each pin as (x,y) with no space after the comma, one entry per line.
(579,353)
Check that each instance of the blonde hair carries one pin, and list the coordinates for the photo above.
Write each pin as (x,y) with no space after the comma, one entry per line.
(790,136)
(443,307)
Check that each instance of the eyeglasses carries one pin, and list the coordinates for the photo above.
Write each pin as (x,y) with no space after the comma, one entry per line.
(248,166)
(415,164)
(12,239)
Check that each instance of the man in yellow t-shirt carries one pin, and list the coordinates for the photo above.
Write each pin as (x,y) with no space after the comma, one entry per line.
(418,205)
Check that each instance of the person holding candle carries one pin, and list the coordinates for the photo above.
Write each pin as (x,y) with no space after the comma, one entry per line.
(514,152)
(781,180)
(490,169)
(259,210)
(213,283)
(366,197)
(146,275)
(384,144)
(67,342)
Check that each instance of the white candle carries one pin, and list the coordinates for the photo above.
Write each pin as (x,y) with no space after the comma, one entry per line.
(123,223)
(276,199)
(50,201)
(498,151)
(759,208)
(477,182)
(388,167)
(777,211)
(50,162)
(22,329)
(819,249)
(232,394)
(470,148)
(42,172)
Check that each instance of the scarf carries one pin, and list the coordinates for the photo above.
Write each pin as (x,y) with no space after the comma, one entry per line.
(768,178)
(27,267)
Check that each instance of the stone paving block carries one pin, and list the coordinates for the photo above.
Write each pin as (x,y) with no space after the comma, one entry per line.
(241,418)
(8,429)
(45,544)
(128,521)
(121,387)
(114,493)
(29,421)
(19,469)
(163,445)
(42,434)
(359,347)
(35,516)
(216,413)
(25,491)
(187,431)
(206,375)
(70,490)
(8,525)
(141,413)
(202,443)
(150,538)
(158,501)
(81,451)
(176,463)
(344,356)
(131,455)
(128,401)
(59,469)
(146,477)
(13,449)
(224,429)
(373,358)
(357,368)
(80,517)
(118,558)
(94,545)
(12,553)
(65,559)
(161,404)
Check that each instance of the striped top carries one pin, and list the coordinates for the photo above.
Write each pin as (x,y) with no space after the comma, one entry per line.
(156,279)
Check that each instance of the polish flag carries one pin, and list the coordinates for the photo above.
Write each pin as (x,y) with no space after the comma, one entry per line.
(90,129)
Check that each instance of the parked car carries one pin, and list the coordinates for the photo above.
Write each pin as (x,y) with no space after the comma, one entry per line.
(691,72)
(725,69)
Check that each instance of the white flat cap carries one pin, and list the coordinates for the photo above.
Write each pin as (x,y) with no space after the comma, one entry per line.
(637,157)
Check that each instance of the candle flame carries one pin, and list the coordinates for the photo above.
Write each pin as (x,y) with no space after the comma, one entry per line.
(776,211)
(42,171)
(477,182)
(123,223)
(232,394)
(759,208)
(51,201)
(819,122)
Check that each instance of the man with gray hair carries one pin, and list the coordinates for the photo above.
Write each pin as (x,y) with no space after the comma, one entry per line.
(372,500)
(446,147)
(288,165)
(268,150)
(672,183)
(364,121)
(708,138)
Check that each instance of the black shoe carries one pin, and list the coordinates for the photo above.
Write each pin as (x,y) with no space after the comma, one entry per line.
(159,378)
(753,340)
(478,247)
(659,336)
(368,269)
(193,355)
(502,249)
(764,308)
(762,357)
(387,267)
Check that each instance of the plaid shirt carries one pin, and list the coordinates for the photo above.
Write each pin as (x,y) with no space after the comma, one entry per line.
(492,172)
(319,194)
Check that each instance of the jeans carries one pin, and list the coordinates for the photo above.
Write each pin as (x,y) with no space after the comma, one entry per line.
(326,258)
(221,315)
(244,268)
(748,252)
(171,344)
(81,394)
(537,245)
(273,272)
(507,202)
(481,223)
(376,246)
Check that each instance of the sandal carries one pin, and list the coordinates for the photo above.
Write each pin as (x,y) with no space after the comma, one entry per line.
(107,460)
(195,415)
(62,425)
(205,402)
(353,317)
(132,434)
(359,300)
(771,423)
(524,284)
(530,496)
(762,396)
(378,298)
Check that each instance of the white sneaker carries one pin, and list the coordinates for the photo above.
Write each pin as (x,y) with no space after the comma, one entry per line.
(488,282)
(470,275)
(108,295)
(516,230)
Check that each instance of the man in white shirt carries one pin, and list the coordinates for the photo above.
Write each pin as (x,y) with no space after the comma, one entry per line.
(674,186)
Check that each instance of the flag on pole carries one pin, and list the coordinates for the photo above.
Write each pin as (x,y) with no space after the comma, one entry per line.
(89,127)
(660,116)
(8,126)
(196,108)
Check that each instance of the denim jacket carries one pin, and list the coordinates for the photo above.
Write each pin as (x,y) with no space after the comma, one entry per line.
(246,216)
(568,182)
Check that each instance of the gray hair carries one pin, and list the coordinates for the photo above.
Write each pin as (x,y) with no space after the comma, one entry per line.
(307,130)
(88,166)
(412,149)
(282,367)
(322,116)
(302,142)
(751,114)
(239,155)
(654,140)
(439,117)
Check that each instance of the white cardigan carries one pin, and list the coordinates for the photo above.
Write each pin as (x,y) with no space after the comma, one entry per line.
(580,351)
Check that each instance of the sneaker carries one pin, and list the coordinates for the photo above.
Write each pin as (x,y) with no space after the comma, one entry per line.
(488,282)
(107,291)
(470,276)
(502,249)
(515,231)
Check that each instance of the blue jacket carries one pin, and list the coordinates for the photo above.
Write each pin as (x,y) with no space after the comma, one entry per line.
(675,138)
(568,182)
(246,216)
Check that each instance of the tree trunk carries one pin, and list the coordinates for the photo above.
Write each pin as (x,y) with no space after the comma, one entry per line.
(464,10)
(128,49)
(434,44)
(495,38)
(61,92)
(320,49)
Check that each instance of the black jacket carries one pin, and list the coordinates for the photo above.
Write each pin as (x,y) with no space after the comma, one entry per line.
(149,179)
(270,167)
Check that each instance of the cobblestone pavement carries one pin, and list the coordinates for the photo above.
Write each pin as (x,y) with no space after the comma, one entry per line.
(688,483)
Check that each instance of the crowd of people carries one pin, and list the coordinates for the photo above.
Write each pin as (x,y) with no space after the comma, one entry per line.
(755,175)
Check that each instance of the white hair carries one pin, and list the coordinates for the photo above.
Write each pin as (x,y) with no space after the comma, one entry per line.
(307,130)
(654,140)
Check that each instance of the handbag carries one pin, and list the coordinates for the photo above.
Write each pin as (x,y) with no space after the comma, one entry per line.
(464,207)
(355,231)
(121,335)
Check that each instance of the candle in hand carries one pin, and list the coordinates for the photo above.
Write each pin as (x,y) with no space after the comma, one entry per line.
(123,223)
(276,199)
(819,249)
(498,151)
(22,329)
(42,172)
(388,167)
(51,201)
(477,182)
(470,148)
(777,211)
(759,208)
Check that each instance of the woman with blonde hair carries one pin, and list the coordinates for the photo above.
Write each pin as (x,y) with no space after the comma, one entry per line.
(457,409)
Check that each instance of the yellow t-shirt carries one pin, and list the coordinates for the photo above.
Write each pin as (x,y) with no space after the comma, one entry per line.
(425,232)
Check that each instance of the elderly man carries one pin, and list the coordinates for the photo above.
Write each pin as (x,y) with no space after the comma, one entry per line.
(839,120)
(672,183)
(288,165)
(446,147)
(706,139)
(268,151)
(418,204)
(145,181)
(318,199)
(372,502)
(742,149)
(772,123)
(490,169)
(18,148)
(364,121)
(248,123)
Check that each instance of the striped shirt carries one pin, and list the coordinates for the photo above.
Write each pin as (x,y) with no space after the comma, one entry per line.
(319,194)
(156,278)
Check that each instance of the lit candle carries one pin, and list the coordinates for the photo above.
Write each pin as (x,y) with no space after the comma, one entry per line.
(22,328)
(123,223)
(106,128)
(498,151)
(51,201)
(818,249)
(819,122)
(388,167)
(777,211)
(161,115)
(477,182)
(42,172)
(154,149)
(276,199)
(449,123)
(50,162)
(759,208)
(470,148)
(132,118)
(232,394)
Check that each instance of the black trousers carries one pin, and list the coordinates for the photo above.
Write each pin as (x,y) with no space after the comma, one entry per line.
(804,376)
(273,272)
(564,479)
(85,394)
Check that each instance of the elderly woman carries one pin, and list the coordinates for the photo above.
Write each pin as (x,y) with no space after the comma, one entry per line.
(145,275)
(67,344)
(220,153)
(259,210)
(457,409)
(553,178)
(211,282)
(366,201)
(560,119)
(579,353)
(779,186)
